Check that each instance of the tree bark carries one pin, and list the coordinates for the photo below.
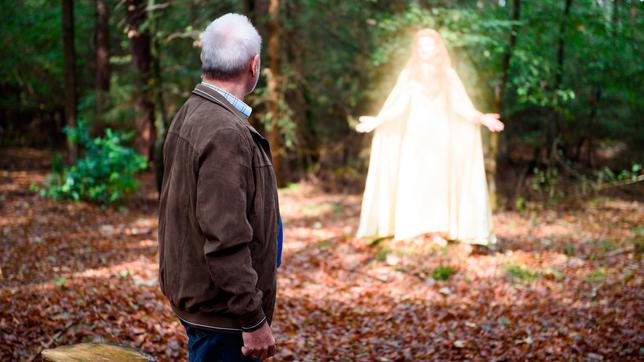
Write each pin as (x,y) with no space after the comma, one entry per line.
(69,73)
(273,85)
(590,130)
(164,122)
(256,11)
(307,145)
(499,94)
(505,63)
(102,38)
(142,59)
(561,44)
(615,14)
(552,131)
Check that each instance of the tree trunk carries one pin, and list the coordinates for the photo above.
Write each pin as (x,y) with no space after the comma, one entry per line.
(561,44)
(307,145)
(505,64)
(500,92)
(142,60)
(273,85)
(615,14)
(552,132)
(102,55)
(69,54)
(256,11)
(162,118)
(590,129)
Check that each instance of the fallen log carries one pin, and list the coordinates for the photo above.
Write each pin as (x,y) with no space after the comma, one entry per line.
(93,352)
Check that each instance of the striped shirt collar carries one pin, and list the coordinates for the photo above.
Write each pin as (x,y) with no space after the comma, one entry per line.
(242,107)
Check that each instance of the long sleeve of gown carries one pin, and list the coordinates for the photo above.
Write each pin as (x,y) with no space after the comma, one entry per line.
(459,101)
(397,101)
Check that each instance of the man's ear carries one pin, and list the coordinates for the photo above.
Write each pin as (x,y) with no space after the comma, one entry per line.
(254,65)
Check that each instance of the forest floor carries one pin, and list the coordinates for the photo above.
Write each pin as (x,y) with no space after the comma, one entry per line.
(564,284)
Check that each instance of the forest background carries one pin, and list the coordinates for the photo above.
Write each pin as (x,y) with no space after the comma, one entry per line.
(566,76)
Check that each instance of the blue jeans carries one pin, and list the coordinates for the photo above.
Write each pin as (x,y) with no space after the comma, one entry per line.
(207,346)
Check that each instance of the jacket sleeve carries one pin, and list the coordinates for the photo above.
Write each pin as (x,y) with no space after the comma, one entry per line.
(223,183)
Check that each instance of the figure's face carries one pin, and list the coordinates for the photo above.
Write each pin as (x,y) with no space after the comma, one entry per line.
(426,49)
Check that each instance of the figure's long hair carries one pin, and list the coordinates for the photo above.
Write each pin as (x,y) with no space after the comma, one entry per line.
(441,60)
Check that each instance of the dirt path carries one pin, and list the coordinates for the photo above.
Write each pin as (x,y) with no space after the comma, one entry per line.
(564,285)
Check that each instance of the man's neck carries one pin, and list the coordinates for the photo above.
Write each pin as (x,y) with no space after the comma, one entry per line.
(232,87)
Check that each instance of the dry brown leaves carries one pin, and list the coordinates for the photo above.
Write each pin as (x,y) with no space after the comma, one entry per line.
(563,284)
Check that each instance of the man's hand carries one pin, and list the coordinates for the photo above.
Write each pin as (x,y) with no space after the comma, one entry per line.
(367,124)
(492,122)
(259,344)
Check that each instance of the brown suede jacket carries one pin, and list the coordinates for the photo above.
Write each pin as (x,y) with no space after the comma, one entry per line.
(218,217)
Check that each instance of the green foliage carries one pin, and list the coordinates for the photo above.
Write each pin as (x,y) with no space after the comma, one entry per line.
(32,29)
(548,186)
(595,277)
(443,272)
(547,183)
(60,281)
(520,273)
(606,175)
(104,175)
(638,245)
(285,124)
(570,249)
(323,244)
(382,253)
(377,241)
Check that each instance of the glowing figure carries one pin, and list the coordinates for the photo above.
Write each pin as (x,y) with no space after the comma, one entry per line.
(426,171)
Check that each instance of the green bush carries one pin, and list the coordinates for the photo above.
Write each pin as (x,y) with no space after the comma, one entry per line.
(103,175)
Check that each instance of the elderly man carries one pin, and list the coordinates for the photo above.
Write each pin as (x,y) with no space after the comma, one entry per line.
(219,219)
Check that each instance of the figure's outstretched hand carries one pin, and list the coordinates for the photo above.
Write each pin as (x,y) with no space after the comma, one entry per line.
(492,122)
(367,124)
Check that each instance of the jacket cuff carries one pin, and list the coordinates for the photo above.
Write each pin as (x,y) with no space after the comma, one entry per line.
(253,321)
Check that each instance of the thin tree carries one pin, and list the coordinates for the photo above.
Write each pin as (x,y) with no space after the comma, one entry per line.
(163,123)
(256,10)
(102,37)
(633,11)
(139,38)
(499,94)
(69,74)
(552,132)
(595,98)
(274,91)
(615,19)
(307,142)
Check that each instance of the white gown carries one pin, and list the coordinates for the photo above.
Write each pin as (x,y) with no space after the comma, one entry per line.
(378,215)
(426,171)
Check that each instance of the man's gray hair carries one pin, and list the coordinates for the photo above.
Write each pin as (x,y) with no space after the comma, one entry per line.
(227,45)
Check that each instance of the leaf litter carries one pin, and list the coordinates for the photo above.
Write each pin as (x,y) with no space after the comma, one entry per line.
(561,285)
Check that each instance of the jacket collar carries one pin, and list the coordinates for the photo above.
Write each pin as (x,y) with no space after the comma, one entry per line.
(214,97)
